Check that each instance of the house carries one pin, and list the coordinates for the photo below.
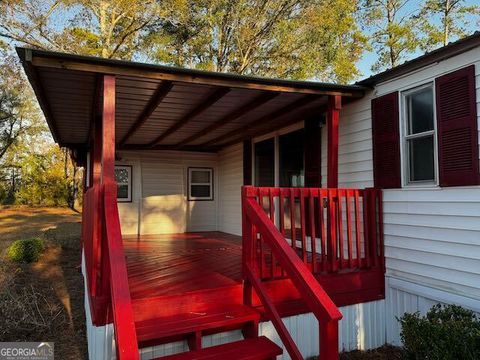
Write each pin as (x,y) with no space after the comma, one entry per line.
(242,217)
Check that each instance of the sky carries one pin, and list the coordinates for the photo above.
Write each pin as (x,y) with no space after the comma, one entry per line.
(369,58)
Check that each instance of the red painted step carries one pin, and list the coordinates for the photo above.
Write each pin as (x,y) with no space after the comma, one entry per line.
(197,324)
(259,348)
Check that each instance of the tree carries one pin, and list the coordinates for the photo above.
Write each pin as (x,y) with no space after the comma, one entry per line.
(19,115)
(295,39)
(394,31)
(111,29)
(452,21)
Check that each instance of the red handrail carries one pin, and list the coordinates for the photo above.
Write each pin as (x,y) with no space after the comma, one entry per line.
(123,320)
(331,230)
(256,221)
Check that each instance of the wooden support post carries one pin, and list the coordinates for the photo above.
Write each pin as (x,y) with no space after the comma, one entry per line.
(96,156)
(108,166)
(329,340)
(333,116)
(96,210)
(108,129)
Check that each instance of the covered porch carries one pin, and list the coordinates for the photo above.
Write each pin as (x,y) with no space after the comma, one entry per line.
(159,246)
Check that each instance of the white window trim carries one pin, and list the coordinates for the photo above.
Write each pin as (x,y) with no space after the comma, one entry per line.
(405,166)
(129,183)
(190,183)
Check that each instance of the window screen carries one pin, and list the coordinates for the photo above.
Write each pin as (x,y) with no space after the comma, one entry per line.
(123,177)
(419,135)
(200,184)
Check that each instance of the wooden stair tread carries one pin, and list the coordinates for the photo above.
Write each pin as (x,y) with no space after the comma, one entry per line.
(187,323)
(248,349)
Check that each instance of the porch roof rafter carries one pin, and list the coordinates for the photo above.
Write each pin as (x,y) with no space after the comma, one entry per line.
(235,114)
(162,90)
(211,99)
(244,130)
(162,107)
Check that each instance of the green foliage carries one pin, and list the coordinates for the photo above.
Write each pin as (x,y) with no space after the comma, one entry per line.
(43,179)
(112,29)
(19,115)
(394,34)
(445,333)
(442,20)
(295,39)
(25,250)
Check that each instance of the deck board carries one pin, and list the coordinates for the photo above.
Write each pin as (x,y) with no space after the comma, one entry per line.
(173,264)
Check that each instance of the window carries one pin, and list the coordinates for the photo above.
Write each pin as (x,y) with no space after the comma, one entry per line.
(265,163)
(419,135)
(123,177)
(291,162)
(200,184)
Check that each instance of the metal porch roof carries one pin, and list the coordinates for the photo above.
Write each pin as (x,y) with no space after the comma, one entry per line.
(162,107)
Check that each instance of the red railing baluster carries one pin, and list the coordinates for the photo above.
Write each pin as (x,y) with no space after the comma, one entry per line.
(372,201)
(272,217)
(292,220)
(348,196)
(366,230)
(323,196)
(341,245)
(261,262)
(357,229)
(313,238)
(332,231)
(302,225)
(281,207)
(380,228)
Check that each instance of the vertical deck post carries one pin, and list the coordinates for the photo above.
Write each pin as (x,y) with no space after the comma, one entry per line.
(108,129)
(329,340)
(96,210)
(108,165)
(333,116)
(247,249)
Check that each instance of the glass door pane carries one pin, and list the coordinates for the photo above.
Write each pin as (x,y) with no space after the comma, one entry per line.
(291,158)
(265,163)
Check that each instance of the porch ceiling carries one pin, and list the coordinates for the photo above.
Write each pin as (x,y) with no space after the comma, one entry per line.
(160,107)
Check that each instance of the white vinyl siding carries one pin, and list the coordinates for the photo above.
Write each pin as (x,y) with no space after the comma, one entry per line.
(230,181)
(355,151)
(432,237)
(160,205)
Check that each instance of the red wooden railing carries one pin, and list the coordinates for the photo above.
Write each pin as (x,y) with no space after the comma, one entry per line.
(257,229)
(303,233)
(106,267)
(331,230)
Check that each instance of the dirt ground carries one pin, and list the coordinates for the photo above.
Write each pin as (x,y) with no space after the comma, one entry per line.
(43,301)
(383,353)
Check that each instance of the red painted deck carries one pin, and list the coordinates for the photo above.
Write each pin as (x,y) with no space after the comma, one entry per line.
(161,265)
(177,273)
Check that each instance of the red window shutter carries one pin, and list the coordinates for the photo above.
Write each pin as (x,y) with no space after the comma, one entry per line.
(457,128)
(386,142)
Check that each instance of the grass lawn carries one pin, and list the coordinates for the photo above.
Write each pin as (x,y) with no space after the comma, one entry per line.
(43,301)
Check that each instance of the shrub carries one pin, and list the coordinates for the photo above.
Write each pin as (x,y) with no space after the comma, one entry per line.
(25,250)
(446,332)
